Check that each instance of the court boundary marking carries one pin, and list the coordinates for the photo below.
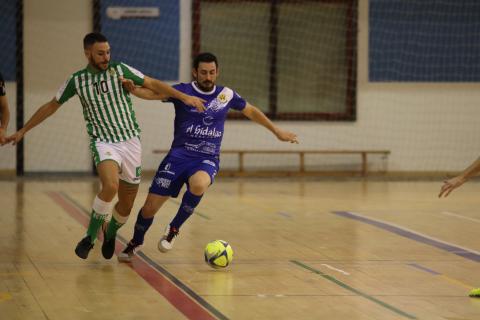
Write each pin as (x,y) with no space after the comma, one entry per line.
(459,216)
(352,289)
(441,275)
(413,235)
(171,288)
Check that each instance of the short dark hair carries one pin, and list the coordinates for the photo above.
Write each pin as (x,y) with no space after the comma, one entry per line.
(204,57)
(92,38)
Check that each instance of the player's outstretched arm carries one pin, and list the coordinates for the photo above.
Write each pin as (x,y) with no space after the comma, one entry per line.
(5,119)
(38,117)
(165,90)
(254,114)
(455,182)
(141,92)
(147,94)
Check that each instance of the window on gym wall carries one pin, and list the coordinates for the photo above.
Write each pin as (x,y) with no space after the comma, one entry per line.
(294,59)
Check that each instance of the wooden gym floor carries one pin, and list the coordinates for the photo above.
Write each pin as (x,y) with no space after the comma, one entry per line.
(303,249)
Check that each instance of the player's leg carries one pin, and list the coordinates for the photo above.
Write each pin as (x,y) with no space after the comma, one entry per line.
(167,183)
(131,168)
(120,213)
(153,203)
(198,183)
(108,174)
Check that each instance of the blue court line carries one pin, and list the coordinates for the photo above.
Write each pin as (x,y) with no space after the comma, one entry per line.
(284,214)
(443,276)
(415,265)
(442,245)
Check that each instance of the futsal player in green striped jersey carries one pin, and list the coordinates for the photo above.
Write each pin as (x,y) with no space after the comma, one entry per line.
(451,184)
(114,134)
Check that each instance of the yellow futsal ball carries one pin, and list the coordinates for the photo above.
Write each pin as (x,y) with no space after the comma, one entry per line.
(218,254)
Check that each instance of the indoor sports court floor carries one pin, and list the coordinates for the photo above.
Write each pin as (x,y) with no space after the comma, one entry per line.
(303,249)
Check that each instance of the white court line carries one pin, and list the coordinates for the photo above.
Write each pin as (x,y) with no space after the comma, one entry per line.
(263,295)
(456,215)
(333,268)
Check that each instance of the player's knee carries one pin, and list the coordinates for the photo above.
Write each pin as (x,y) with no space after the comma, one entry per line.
(199,183)
(110,188)
(198,188)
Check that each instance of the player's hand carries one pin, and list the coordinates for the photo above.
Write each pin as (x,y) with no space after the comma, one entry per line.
(3,139)
(127,84)
(450,185)
(286,136)
(15,138)
(195,102)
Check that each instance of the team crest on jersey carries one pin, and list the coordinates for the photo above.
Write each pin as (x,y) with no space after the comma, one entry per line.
(222,98)
(112,72)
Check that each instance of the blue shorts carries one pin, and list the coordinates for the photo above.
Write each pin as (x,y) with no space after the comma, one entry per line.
(173,172)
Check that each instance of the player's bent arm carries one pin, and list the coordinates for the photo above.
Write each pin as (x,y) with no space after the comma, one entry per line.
(471,170)
(40,115)
(169,92)
(163,89)
(455,182)
(256,115)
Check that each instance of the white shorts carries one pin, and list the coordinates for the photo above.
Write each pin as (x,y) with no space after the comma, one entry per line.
(128,155)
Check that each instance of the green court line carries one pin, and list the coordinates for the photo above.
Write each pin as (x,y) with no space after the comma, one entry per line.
(347,287)
(196,212)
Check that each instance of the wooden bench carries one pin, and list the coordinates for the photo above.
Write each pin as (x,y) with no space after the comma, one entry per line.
(302,153)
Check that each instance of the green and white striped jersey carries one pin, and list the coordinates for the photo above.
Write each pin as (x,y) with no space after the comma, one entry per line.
(107,107)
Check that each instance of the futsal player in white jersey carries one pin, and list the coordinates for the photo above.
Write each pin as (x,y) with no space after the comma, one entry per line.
(114,134)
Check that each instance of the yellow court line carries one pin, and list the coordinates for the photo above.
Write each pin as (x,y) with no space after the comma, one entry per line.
(4,296)
(6,274)
(452,280)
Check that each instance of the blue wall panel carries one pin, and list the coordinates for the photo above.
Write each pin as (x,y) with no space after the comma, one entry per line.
(150,45)
(8,39)
(424,40)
